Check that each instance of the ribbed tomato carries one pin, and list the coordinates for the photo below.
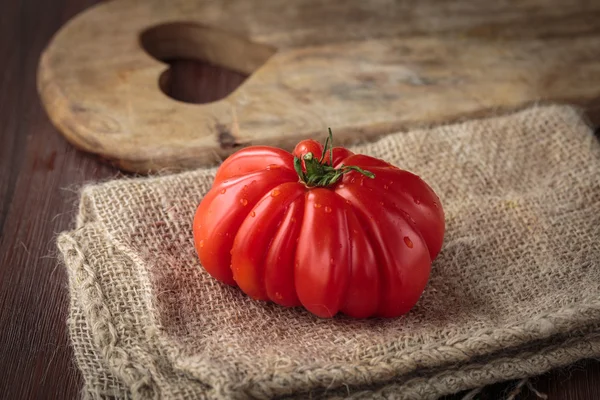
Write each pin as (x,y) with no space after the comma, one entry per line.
(354,235)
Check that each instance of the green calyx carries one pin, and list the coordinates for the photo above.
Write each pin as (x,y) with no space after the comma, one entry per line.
(319,174)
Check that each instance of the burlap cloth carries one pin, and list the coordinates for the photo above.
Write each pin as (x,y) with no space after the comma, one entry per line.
(514,292)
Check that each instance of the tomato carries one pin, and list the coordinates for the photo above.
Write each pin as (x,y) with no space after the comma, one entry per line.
(321,228)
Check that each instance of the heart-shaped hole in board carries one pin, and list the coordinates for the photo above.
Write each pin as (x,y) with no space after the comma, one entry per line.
(198,82)
(206,64)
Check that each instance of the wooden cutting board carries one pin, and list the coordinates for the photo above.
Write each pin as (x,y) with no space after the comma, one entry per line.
(363,68)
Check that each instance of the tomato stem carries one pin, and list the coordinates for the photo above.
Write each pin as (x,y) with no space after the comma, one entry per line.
(319,174)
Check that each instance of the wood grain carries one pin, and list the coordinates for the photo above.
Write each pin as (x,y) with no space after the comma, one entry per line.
(35,357)
(39,177)
(364,68)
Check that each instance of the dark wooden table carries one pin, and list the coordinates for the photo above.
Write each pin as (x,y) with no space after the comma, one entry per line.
(40,175)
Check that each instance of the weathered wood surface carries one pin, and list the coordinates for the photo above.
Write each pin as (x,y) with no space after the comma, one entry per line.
(364,68)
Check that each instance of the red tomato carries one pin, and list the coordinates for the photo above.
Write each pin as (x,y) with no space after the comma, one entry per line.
(356,235)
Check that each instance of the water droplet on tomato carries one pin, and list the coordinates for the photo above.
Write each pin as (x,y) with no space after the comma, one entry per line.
(417,200)
(381,203)
(348,202)
(201,243)
(331,260)
(243,202)
(386,187)
(317,205)
(275,192)
(223,191)
(435,204)
(278,296)
(327,209)
(355,231)
(272,166)
(253,214)
(408,242)
(245,188)
(362,181)
(293,220)
(352,180)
